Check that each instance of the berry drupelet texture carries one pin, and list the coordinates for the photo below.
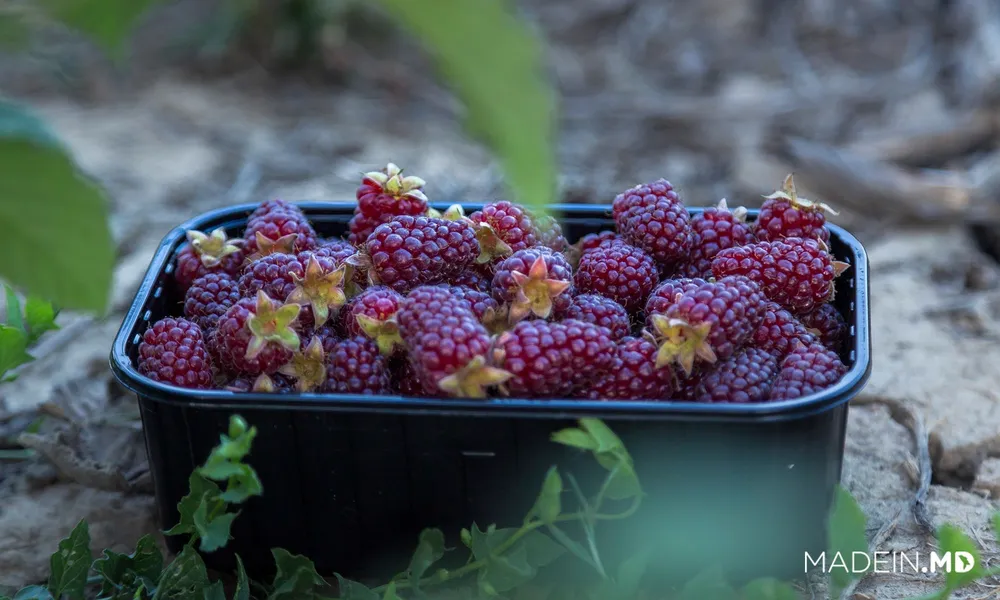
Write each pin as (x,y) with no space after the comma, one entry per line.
(785,215)
(502,228)
(828,324)
(653,218)
(666,293)
(472,279)
(797,273)
(257,335)
(173,351)
(203,254)
(633,374)
(372,314)
(279,231)
(550,233)
(534,281)
(356,366)
(714,229)
(618,271)
(807,370)
(744,377)
(209,297)
(273,274)
(780,331)
(264,384)
(275,205)
(599,310)
(410,251)
(553,359)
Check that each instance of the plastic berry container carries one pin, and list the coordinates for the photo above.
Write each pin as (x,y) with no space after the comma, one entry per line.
(350,480)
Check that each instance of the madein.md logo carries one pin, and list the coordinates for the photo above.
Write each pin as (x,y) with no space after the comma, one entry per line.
(892,562)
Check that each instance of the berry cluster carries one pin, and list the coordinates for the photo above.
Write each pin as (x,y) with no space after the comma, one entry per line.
(417,302)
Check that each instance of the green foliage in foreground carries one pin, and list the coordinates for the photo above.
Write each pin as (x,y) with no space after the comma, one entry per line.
(502,562)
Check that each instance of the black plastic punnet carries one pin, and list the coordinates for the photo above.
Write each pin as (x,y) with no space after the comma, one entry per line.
(350,481)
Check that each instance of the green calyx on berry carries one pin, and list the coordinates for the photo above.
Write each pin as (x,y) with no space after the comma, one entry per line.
(680,342)
(787,192)
(393,183)
(266,246)
(433,213)
(385,333)
(455,212)
(472,380)
(263,384)
(535,291)
(272,323)
(322,290)
(308,367)
(490,244)
(212,248)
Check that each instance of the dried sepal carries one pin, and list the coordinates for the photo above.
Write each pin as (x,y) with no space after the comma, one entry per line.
(264,385)
(394,183)
(472,380)
(739,213)
(839,267)
(320,289)
(455,212)
(308,367)
(490,244)
(212,248)
(272,323)
(266,246)
(385,333)
(681,342)
(363,264)
(787,192)
(535,291)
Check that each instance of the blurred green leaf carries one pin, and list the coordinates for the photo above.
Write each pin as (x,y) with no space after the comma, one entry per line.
(352,590)
(710,584)
(296,578)
(57,242)
(216,591)
(15,32)
(70,564)
(952,539)
(504,573)
(607,440)
(242,583)
(549,503)
(13,346)
(200,490)
(541,549)
(429,550)
(576,438)
(39,318)
(495,65)
(184,578)
(631,572)
(996,526)
(846,534)
(213,529)
(107,22)
(33,592)
(14,316)
(118,570)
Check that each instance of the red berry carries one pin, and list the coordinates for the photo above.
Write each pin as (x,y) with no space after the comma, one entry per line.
(447,345)
(828,324)
(389,193)
(599,310)
(633,374)
(272,274)
(553,359)
(209,297)
(262,384)
(410,383)
(257,335)
(411,251)
(796,273)
(534,281)
(276,205)
(338,250)
(204,254)
(361,226)
(653,218)
(715,229)
(807,370)
(779,331)
(472,279)
(618,271)
(356,366)
(595,240)
(372,314)
(502,228)
(483,305)
(708,323)
(785,215)
(279,231)
(173,351)
(744,377)
(666,294)
(550,233)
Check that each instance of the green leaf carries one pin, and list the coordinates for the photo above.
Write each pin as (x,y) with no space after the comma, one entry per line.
(201,491)
(223,464)
(13,346)
(13,308)
(996,526)
(541,549)
(508,571)
(39,317)
(390,592)
(216,591)
(624,481)
(495,65)
(549,503)
(33,592)
(106,22)
(710,584)
(242,583)
(606,439)
(574,547)
(631,572)
(429,550)
(846,534)
(184,578)
(126,571)
(70,564)
(964,556)
(15,32)
(213,530)
(352,590)
(768,589)
(57,243)
(575,438)
(296,577)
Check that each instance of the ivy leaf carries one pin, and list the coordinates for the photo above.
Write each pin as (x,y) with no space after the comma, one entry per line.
(13,315)
(352,590)
(964,556)
(33,592)
(390,592)
(541,549)
(201,491)
(13,348)
(575,438)
(213,531)
(495,65)
(216,591)
(120,570)
(549,503)
(296,577)
(184,578)
(242,583)
(846,534)
(574,547)
(39,318)
(61,217)
(70,563)
(607,440)
(624,482)
(709,584)
(768,589)
(429,550)
(506,572)
(107,22)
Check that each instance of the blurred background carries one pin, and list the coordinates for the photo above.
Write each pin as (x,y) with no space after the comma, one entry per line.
(888,110)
